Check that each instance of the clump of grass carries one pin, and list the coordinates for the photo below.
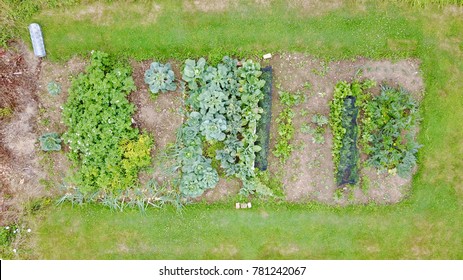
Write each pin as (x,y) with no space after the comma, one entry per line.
(16,14)
(6,112)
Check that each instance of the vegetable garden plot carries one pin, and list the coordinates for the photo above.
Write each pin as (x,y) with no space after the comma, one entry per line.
(263,127)
(217,95)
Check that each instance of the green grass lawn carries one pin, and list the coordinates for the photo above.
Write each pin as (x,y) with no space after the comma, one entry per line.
(429,224)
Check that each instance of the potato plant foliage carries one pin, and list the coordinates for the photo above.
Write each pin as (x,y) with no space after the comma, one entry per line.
(222,104)
(104,146)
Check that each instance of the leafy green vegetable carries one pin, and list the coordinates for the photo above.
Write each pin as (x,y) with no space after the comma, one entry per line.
(160,77)
(193,73)
(319,120)
(283,147)
(50,142)
(388,126)
(291,99)
(341,91)
(213,128)
(54,88)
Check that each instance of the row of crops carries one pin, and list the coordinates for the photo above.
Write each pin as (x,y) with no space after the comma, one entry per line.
(222,112)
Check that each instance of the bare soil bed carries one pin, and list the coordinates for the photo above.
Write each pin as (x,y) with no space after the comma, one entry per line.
(20,170)
(27,173)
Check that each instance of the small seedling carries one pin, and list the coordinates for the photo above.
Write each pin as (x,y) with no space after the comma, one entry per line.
(50,142)
(54,88)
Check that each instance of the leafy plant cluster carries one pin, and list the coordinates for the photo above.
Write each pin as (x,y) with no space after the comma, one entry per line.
(50,142)
(387,135)
(160,77)
(283,148)
(318,133)
(6,112)
(104,146)
(222,104)
(337,112)
(54,88)
(386,127)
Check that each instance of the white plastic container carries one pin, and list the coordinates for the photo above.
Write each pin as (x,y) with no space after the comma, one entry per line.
(37,40)
(267,56)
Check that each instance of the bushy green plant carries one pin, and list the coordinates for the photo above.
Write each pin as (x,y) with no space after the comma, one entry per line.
(283,148)
(50,142)
(5,112)
(387,134)
(202,177)
(320,120)
(160,78)
(318,137)
(54,88)
(104,146)
(193,73)
(213,128)
(291,98)
(318,133)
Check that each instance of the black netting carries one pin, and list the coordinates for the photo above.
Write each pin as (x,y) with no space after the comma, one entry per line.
(263,126)
(349,154)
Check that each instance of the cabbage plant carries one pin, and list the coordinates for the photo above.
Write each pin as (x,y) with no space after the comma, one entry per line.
(50,142)
(160,77)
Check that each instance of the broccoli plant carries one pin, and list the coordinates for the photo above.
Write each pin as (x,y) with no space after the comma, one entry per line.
(160,77)
(54,88)
(50,142)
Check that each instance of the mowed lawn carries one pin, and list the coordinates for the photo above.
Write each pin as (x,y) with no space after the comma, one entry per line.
(428,224)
